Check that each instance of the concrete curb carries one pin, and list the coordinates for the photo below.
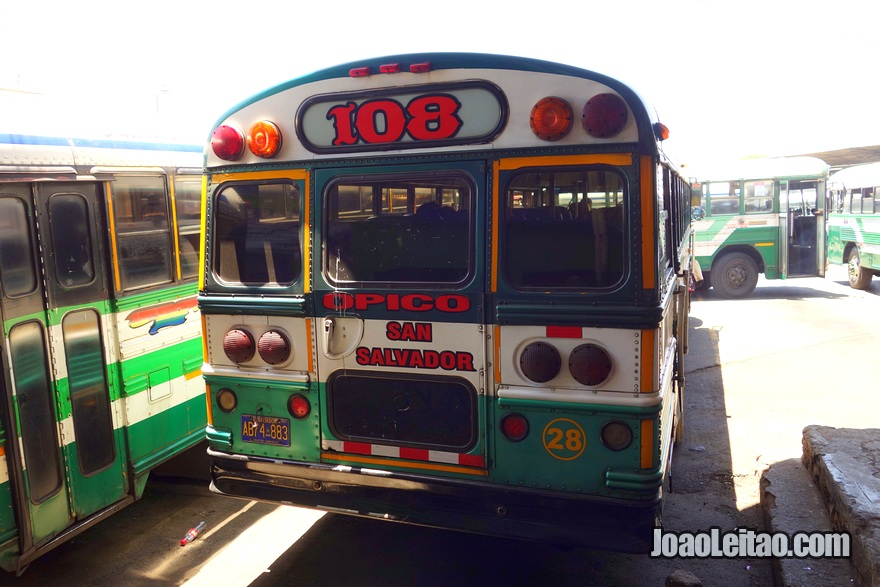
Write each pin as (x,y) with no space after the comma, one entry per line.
(792,503)
(845,464)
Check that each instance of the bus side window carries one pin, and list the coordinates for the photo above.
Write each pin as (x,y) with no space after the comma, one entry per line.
(187,198)
(143,231)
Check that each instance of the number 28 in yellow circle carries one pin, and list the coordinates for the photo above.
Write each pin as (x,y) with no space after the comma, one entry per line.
(564,439)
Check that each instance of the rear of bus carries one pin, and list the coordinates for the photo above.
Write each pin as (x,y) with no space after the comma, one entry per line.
(432,295)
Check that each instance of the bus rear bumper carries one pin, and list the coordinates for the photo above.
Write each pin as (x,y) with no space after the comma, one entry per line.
(470,506)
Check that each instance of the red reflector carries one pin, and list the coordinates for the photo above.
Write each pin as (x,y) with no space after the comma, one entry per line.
(565,332)
(389,68)
(420,67)
(238,346)
(359,72)
(227,143)
(604,115)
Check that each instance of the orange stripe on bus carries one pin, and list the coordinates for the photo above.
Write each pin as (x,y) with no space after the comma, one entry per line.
(208,403)
(307,241)
(619,159)
(309,344)
(646,379)
(111,221)
(493,279)
(646,454)
(649,261)
(202,224)
(328,456)
(497,357)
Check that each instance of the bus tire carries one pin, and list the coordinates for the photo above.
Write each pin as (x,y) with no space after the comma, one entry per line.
(735,275)
(859,277)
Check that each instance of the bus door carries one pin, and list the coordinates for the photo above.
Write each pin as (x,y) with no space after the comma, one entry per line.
(53,307)
(801,229)
(399,302)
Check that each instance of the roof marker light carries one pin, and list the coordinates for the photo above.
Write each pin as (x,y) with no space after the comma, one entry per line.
(359,72)
(227,142)
(604,115)
(420,67)
(390,68)
(264,139)
(551,118)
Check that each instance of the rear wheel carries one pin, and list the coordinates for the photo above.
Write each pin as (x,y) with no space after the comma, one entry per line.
(859,277)
(735,275)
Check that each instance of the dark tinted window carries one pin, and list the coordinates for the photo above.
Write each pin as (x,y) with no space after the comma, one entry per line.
(16,253)
(257,233)
(399,230)
(564,229)
(72,239)
(39,433)
(89,395)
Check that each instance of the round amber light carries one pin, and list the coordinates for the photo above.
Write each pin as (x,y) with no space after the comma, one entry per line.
(616,435)
(226,400)
(551,118)
(264,139)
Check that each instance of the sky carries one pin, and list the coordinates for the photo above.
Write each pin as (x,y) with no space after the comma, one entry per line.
(730,79)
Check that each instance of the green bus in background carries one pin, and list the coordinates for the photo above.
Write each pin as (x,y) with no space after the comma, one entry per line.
(854,222)
(102,354)
(760,216)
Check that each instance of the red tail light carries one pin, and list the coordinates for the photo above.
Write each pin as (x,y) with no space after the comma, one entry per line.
(299,407)
(604,115)
(273,346)
(238,346)
(540,362)
(227,143)
(589,364)
(514,427)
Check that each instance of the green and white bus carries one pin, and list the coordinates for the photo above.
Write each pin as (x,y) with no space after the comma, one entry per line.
(854,222)
(449,290)
(760,216)
(102,351)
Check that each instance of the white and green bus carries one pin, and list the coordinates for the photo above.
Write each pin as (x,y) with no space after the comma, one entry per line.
(760,216)
(101,354)
(854,222)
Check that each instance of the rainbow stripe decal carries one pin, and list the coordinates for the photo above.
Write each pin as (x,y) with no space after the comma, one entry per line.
(163,316)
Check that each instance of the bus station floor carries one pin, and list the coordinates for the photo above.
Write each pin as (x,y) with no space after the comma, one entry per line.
(834,488)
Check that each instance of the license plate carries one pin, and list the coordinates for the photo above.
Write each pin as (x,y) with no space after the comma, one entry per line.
(265,430)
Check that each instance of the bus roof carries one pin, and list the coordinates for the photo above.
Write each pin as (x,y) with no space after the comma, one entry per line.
(767,168)
(301,107)
(867,175)
(21,152)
